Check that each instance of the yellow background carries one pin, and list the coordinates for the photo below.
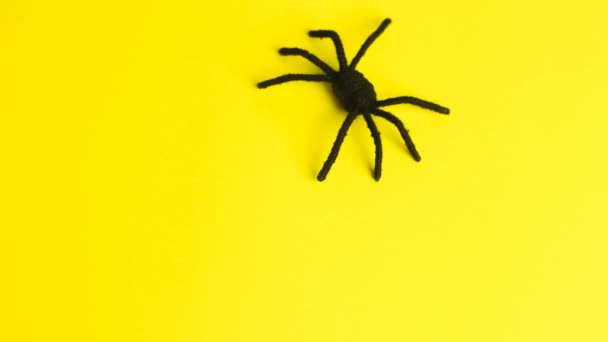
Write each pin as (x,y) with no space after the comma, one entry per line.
(149,192)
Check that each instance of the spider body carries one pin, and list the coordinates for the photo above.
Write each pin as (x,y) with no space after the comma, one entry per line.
(356,95)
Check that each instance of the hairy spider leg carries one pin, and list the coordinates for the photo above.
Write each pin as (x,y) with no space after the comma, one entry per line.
(293,77)
(314,59)
(414,101)
(369,41)
(333,35)
(378,143)
(335,149)
(402,130)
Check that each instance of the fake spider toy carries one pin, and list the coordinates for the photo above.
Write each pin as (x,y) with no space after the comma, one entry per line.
(356,95)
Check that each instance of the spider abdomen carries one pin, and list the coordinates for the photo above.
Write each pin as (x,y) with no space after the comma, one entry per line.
(354,91)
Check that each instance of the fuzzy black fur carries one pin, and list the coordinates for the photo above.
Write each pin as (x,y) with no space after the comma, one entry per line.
(356,95)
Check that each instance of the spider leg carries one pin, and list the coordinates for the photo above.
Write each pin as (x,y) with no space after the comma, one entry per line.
(414,101)
(369,41)
(337,42)
(378,142)
(293,77)
(404,134)
(314,59)
(336,147)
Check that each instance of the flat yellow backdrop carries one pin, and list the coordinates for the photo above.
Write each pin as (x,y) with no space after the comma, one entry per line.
(150,192)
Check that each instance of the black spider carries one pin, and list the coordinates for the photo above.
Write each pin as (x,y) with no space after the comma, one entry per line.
(356,94)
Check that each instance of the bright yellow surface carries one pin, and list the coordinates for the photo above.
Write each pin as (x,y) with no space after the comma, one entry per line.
(149,192)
